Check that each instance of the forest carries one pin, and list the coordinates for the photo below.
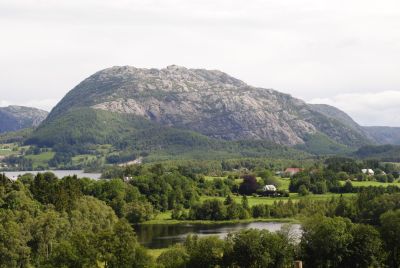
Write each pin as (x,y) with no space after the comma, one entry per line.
(69,222)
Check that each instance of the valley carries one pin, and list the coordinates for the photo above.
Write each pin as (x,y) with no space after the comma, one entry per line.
(164,164)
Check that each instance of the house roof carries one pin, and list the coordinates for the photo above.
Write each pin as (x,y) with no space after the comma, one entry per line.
(293,170)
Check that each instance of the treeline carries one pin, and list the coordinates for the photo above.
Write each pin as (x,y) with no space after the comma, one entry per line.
(366,207)
(360,232)
(325,242)
(45,223)
(50,222)
(328,176)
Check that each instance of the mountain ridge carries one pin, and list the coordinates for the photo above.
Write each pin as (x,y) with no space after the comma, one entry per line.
(209,102)
(14,117)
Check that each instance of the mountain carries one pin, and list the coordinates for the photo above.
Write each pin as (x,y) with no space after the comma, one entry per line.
(13,118)
(117,105)
(339,115)
(384,135)
(378,134)
(386,153)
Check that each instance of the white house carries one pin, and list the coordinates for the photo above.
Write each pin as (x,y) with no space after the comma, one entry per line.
(368,171)
(269,188)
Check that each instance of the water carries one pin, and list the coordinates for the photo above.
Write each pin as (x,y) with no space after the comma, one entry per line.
(164,235)
(59,173)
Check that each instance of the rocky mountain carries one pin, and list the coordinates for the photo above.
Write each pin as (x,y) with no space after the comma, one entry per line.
(14,118)
(208,102)
(384,135)
(339,115)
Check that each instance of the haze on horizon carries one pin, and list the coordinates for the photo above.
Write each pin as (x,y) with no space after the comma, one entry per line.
(343,53)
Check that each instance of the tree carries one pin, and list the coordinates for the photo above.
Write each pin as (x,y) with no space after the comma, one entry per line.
(365,249)
(211,209)
(124,248)
(390,231)
(348,187)
(303,191)
(48,228)
(325,241)
(174,257)
(204,252)
(228,200)
(138,211)
(249,185)
(14,251)
(245,203)
(258,248)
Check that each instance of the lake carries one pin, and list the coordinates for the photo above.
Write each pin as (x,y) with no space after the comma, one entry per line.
(59,173)
(163,235)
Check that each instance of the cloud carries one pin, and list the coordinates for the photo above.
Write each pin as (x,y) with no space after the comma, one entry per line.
(369,109)
(306,48)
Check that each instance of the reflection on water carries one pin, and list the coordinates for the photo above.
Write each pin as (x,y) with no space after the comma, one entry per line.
(59,173)
(164,235)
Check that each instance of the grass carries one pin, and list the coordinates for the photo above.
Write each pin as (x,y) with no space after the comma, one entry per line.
(41,159)
(372,183)
(156,252)
(78,159)
(284,182)
(7,149)
(165,217)
(270,200)
(249,220)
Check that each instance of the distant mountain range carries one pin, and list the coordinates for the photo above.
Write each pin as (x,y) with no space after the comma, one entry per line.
(384,135)
(176,107)
(13,118)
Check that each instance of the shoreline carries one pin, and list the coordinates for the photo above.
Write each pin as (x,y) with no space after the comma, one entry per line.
(211,222)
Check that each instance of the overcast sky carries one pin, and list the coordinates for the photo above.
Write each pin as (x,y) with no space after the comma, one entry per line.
(344,52)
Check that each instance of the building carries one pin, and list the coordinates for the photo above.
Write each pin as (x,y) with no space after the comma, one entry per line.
(368,171)
(292,171)
(269,188)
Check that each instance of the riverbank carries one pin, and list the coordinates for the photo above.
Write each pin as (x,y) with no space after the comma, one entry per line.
(165,218)
(159,236)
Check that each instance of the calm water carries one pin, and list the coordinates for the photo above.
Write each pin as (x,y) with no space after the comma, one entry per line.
(59,173)
(163,235)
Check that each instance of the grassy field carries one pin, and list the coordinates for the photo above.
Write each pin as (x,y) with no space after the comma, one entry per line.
(10,149)
(165,218)
(156,252)
(284,182)
(82,158)
(41,159)
(372,183)
(270,200)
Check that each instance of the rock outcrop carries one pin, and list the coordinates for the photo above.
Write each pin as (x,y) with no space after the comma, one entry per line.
(206,101)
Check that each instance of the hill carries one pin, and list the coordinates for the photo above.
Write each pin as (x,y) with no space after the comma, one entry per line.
(337,114)
(208,102)
(13,118)
(384,135)
(388,153)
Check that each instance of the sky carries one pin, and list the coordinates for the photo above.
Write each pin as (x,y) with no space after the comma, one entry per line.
(344,53)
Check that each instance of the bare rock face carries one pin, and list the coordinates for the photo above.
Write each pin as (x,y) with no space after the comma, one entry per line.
(13,117)
(206,101)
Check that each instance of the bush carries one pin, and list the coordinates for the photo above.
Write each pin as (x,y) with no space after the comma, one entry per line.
(260,211)
(138,211)
(174,257)
(249,185)
(348,187)
(381,178)
(211,209)
(303,191)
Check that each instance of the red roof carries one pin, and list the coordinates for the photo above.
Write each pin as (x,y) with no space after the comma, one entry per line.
(293,170)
